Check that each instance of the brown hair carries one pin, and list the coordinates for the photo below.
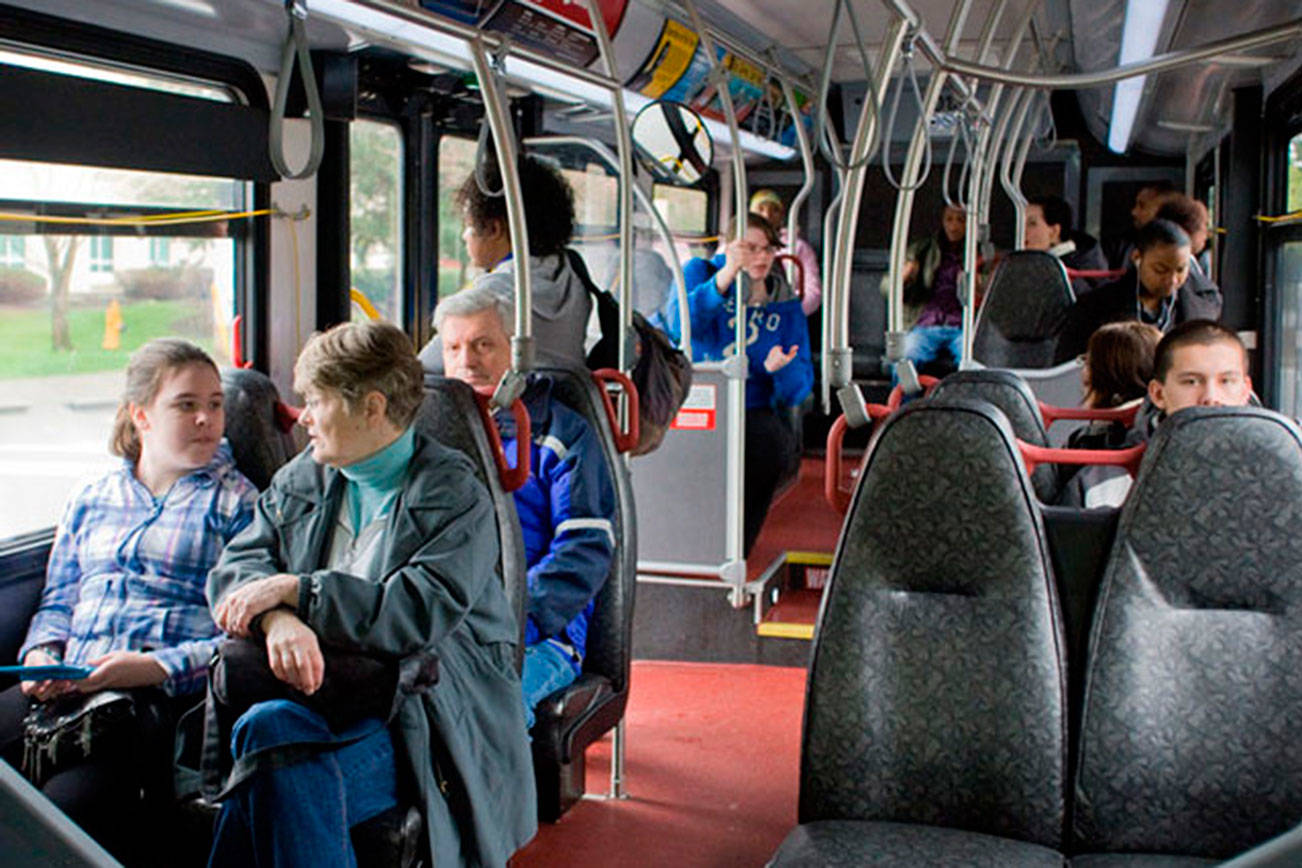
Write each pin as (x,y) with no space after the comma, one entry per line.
(356,358)
(1187,213)
(1202,332)
(1119,363)
(755,221)
(145,372)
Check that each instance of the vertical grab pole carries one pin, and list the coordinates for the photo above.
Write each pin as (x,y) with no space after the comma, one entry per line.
(499,122)
(831,295)
(912,166)
(1006,168)
(735,366)
(806,162)
(624,151)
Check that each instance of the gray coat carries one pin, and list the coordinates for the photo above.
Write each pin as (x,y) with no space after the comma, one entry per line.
(465,744)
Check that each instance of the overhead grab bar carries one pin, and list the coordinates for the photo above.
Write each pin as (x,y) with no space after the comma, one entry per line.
(825,85)
(296,50)
(806,163)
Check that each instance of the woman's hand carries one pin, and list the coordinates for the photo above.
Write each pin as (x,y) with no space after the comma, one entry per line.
(777,359)
(118,670)
(293,651)
(43,691)
(242,605)
(738,256)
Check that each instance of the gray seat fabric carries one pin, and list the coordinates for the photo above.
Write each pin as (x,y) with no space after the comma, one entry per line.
(837,843)
(1192,716)
(574,717)
(449,414)
(1138,860)
(1014,398)
(937,690)
(259,445)
(1023,312)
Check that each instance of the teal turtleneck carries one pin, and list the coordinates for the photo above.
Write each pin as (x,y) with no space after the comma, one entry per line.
(373,482)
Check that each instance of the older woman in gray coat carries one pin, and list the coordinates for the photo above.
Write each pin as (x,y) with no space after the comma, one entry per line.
(376,540)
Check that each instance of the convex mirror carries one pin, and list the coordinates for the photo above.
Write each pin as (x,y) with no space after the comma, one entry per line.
(672,142)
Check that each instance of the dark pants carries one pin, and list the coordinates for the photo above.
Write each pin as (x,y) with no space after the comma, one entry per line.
(102,795)
(771,452)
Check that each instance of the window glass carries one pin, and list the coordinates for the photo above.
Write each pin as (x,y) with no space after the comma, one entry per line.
(1290,284)
(1295,174)
(456,162)
(75,301)
(375,194)
(116,75)
(685,209)
(596,200)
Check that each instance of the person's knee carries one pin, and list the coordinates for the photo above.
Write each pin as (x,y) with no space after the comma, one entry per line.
(277,721)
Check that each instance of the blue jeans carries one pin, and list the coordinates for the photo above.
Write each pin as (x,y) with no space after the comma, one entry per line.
(923,344)
(300,814)
(547,668)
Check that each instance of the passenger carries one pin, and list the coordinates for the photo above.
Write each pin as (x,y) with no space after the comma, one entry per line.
(561,305)
(777,351)
(1199,363)
(124,590)
(1118,368)
(769,205)
(1158,290)
(932,271)
(1049,228)
(566,509)
(1148,200)
(375,540)
(1191,216)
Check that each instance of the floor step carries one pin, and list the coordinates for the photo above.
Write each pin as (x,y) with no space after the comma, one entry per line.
(793,616)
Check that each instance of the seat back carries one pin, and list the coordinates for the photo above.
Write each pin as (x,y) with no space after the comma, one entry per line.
(936,689)
(610,631)
(450,415)
(1013,397)
(1023,312)
(259,444)
(1193,694)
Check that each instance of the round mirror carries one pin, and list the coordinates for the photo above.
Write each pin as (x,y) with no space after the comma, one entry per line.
(672,142)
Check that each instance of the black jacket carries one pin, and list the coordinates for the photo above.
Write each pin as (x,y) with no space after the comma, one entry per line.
(1197,298)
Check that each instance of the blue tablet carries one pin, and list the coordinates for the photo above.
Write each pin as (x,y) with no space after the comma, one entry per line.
(57,672)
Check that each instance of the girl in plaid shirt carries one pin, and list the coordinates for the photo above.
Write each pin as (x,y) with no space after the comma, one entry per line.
(124,589)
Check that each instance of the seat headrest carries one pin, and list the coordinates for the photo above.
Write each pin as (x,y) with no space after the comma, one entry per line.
(259,445)
(1028,295)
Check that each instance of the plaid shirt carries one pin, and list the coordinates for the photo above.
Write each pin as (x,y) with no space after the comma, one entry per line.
(127,570)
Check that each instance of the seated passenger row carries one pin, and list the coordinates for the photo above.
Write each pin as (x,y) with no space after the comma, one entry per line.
(950,721)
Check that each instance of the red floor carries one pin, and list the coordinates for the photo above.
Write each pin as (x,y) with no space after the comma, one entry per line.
(712,771)
(799,520)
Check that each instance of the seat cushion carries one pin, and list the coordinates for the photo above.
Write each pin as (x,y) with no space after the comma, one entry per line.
(559,714)
(847,842)
(1138,860)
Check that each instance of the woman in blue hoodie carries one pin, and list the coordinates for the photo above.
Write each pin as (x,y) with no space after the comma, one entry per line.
(780,373)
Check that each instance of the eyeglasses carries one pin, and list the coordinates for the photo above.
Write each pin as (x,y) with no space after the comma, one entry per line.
(758,248)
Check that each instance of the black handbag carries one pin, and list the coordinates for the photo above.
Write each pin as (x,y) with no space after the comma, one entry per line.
(73,729)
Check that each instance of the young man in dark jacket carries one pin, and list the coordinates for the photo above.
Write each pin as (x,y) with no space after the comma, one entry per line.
(1049,228)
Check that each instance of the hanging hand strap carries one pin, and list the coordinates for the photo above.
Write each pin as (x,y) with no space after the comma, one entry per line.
(296,48)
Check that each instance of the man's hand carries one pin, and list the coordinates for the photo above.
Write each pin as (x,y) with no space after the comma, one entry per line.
(777,359)
(43,691)
(118,670)
(293,651)
(242,605)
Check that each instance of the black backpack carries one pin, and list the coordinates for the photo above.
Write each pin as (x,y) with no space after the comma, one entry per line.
(661,372)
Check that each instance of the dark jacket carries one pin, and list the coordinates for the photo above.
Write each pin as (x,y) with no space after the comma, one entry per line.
(437,590)
(1198,298)
(1088,256)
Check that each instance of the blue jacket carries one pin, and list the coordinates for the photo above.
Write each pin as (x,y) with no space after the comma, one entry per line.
(780,322)
(567,512)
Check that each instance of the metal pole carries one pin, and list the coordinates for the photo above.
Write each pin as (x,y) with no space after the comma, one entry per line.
(499,122)
(806,161)
(1006,168)
(831,294)
(624,148)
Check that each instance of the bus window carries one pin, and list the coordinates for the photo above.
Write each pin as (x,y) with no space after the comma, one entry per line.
(1295,174)
(687,213)
(1290,287)
(76,300)
(596,202)
(456,161)
(375,196)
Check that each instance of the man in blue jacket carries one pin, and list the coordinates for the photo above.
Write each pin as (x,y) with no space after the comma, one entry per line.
(566,508)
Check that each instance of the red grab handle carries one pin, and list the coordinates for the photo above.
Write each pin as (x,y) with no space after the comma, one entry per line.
(512,478)
(1095,273)
(799,288)
(833,465)
(237,344)
(896,397)
(1034,456)
(1051,414)
(626,439)
(286,416)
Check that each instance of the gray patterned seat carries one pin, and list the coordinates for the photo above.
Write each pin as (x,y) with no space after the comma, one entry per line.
(1014,398)
(1191,737)
(1023,313)
(935,719)
(259,444)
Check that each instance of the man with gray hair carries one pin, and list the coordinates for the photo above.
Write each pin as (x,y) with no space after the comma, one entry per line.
(567,506)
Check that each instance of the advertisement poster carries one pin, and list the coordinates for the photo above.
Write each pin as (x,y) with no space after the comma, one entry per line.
(667,63)
(745,83)
(465,11)
(555,27)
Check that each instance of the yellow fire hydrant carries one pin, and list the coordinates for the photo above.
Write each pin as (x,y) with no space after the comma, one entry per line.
(113,326)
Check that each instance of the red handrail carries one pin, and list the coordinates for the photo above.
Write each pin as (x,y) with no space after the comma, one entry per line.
(896,397)
(837,495)
(627,439)
(1051,414)
(1034,456)
(237,343)
(286,416)
(512,478)
(1095,273)
(799,287)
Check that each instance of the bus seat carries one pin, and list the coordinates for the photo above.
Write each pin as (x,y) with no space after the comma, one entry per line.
(1193,694)
(935,718)
(574,717)
(449,414)
(1024,310)
(1010,394)
(22,579)
(260,445)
